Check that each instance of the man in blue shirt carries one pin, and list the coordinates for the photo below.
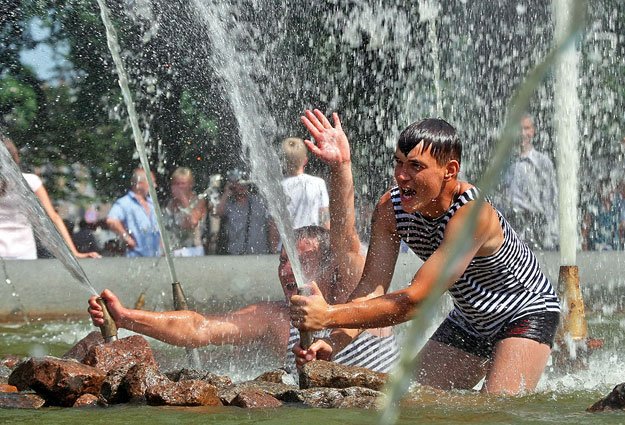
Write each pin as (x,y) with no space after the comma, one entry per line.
(133,219)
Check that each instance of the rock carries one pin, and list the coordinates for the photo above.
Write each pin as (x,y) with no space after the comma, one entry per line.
(8,389)
(279,376)
(4,374)
(333,375)
(86,400)
(613,401)
(342,398)
(184,393)
(255,400)
(280,391)
(79,351)
(120,354)
(130,384)
(208,377)
(21,400)
(10,361)
(59,381)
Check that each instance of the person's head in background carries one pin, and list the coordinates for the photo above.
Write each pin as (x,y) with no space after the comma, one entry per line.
(295,156)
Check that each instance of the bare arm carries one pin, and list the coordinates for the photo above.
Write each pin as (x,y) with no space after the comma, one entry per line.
(332,147)
(191,329)
(42,194)
(117,227)
(399,306)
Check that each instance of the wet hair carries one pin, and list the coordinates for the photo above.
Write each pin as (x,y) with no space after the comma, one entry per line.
(322,236)
(435,132)
(295,153)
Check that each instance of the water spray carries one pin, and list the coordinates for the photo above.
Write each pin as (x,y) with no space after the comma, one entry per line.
(572,340)
(111,38)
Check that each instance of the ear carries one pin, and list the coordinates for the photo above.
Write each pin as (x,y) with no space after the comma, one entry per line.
(451,169)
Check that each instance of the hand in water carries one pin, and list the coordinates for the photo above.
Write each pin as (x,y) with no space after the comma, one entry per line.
(309,312)
(113,305)
(318,350)
(332,145)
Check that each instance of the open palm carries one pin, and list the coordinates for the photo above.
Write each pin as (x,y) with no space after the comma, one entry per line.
(332,146)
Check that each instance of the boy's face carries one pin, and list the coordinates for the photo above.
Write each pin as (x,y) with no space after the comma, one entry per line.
(420,180)
(310,260)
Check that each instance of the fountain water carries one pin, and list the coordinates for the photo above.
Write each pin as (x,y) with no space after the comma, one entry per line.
(373,61)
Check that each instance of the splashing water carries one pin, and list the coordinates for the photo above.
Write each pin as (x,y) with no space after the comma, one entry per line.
(113,45)
(256,125)
(17,188)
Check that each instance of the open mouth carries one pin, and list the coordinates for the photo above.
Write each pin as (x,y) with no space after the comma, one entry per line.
(407,194)
(292,286)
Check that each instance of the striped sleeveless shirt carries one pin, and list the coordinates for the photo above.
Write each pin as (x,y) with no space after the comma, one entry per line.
(378,354)
(493,290)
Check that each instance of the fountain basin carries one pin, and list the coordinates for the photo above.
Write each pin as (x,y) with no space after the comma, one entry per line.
(45,289)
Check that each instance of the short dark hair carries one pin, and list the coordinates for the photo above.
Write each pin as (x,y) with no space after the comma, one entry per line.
(434,132)
(321,235)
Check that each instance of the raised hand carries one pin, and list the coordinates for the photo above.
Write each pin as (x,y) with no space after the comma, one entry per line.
(332,146)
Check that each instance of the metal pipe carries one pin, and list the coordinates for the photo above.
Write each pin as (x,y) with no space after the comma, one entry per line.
(108,329)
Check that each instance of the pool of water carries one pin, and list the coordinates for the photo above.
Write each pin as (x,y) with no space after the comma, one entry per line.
(558,399)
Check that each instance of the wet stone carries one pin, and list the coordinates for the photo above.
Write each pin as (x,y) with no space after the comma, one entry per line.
(341,398)
(120,354)
(255,400)
(138,380)
(184,393)
(8,388)
(613,401)
(278,376)
(21,401)
(79,351)
(59,381)
(86,400)
(333,375)
(4,374)
(218,381)
(10,361)
(280,391)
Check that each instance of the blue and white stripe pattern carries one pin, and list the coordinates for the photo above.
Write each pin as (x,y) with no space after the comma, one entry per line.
(493,290)
(366,350)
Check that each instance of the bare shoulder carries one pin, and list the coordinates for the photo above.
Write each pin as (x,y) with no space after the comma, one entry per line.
(487,227)
(384,213)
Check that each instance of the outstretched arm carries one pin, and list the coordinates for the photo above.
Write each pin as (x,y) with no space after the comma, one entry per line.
(332,147)
(397,307)
(191,329)
(42,194)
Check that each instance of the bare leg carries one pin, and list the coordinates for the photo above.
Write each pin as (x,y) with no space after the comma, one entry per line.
(517,365)
(446,367)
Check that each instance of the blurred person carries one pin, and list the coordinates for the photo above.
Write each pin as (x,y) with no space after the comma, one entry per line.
(84,238)
(133,220)
(603,225)
(244,218)
(530,195)
(307,196)
(17,240)
(185,215)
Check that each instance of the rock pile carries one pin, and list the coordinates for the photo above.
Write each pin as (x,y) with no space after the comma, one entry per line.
(97,373)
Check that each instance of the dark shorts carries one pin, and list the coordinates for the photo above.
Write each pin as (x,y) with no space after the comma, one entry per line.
(539,327)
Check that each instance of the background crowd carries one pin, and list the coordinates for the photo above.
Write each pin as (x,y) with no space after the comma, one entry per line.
(230,216)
